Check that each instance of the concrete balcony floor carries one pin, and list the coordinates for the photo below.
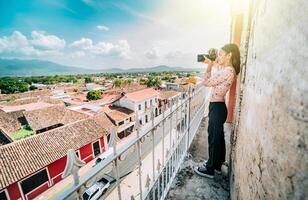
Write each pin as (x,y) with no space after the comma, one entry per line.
(189,186)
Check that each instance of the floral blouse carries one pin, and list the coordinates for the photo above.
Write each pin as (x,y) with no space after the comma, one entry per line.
(220,83)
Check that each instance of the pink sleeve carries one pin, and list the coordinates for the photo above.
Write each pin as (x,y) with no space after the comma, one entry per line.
(211,81)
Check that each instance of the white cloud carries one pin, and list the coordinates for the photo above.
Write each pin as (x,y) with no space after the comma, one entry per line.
(174,55)
(13,42)
(151,54)
(190,29)
(83,43)
(77,54)
(40,44)
(102,28)
(121,48)
(43,41)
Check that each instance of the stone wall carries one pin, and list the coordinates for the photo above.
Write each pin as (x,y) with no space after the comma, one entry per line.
(269,158)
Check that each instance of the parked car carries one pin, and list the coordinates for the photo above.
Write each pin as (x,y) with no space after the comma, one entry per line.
(98,189)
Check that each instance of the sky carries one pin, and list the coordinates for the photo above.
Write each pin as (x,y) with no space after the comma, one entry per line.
(113,33)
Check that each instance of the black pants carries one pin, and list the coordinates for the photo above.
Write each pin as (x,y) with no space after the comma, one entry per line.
(216,139)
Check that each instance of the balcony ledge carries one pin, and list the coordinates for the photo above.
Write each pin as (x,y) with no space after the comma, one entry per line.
(189,186)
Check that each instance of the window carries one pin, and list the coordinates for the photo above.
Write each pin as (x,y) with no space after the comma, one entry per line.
(96,148)
(121,135)
(145,104)
(146,119)
(155,100)
(34,181)
(140,121)
(151,102)
(121,122)
(3,195)
(139,106)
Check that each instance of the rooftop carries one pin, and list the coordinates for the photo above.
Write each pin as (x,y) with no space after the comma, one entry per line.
(26,107)
(46,117)
(117,113)
(165,94)
(141,95)
(8,123)
(23,157)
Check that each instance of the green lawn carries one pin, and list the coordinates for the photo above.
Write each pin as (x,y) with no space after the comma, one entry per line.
(23,132)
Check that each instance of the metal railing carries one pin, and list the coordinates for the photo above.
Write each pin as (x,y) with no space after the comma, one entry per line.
(160,145)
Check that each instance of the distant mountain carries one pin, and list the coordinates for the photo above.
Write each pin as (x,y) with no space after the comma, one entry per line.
(18,67)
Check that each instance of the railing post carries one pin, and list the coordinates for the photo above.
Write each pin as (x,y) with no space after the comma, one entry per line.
(176,133)
(181,128)
(137,128)
(189,109)
(170,142)
(153,148)
(113,142)
(163,147)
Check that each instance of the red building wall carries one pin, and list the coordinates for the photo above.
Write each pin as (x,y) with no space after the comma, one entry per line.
(13,191)
(86,153)
(55,170)
(102,144)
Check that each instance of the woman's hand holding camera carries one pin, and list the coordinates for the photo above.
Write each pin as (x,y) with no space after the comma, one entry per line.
(209,63)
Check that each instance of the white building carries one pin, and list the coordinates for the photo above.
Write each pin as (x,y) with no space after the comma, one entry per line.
(141,102)
(93,86)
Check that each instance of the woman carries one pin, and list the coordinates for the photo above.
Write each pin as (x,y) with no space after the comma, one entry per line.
(228,61)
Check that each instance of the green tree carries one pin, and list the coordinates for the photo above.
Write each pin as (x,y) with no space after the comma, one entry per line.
(117,82)
(153,81)
(10,85)
(88,80)
(94,95)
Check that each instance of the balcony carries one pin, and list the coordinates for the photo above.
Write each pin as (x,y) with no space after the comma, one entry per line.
(189,186)
(145,166)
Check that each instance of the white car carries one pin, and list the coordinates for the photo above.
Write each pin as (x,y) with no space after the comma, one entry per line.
(98,189)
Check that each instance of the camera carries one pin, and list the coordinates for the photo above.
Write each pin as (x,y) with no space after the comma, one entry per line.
(212,55)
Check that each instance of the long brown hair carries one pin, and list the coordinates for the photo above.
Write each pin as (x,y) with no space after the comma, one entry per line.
(235,58)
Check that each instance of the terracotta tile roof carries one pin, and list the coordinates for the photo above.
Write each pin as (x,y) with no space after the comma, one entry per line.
(165,94)
(24,157)
(128,88)
(117,113)
(8,123)
(26,107)
(141,95)
(28,100)
(34,93)
(46,117)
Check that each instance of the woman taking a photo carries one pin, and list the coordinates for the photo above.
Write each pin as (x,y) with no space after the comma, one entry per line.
(228,60)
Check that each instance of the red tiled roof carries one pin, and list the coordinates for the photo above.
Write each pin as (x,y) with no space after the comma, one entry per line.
(165,94)
(46,117)
(27,107)
(24,157)
(8,123)
(117,113)
(142,94)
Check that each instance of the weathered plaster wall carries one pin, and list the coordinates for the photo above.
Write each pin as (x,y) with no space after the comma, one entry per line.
(269,155)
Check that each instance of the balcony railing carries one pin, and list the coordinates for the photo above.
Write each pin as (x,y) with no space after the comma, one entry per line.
(151,157)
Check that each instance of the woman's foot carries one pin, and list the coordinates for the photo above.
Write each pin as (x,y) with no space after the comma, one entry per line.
(204,172)
(217,171)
